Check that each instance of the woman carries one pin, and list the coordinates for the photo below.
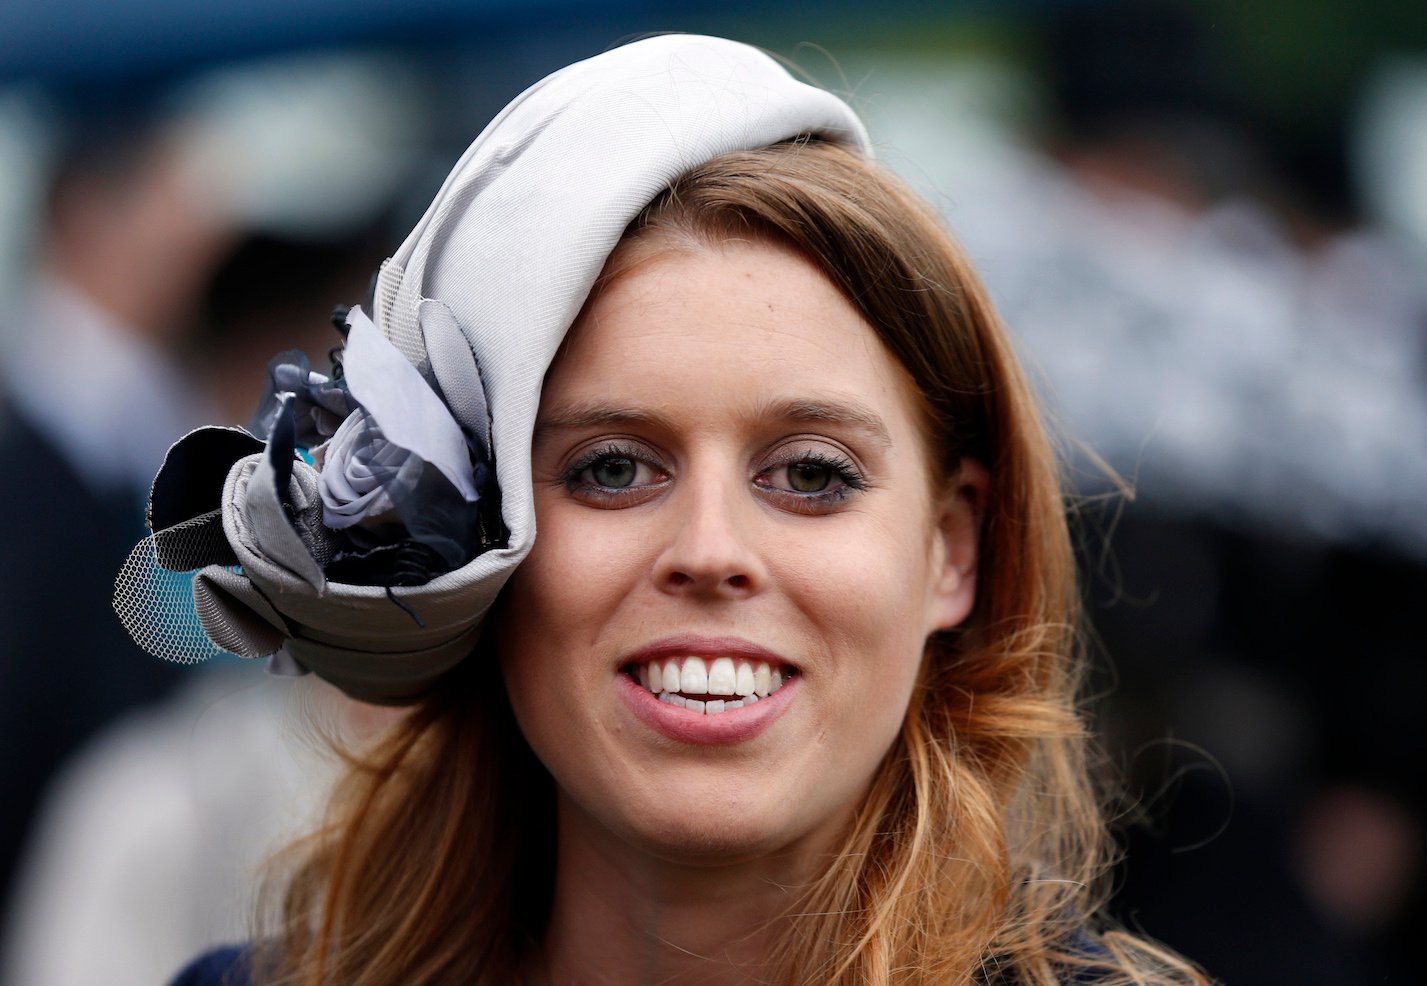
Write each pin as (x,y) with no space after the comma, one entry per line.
(784,691)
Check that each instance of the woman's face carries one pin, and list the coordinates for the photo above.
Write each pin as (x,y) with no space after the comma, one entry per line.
(731,486)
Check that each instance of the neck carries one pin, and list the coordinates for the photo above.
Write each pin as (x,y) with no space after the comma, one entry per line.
(621,915)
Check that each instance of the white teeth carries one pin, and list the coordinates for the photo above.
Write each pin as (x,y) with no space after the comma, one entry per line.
(694,678)
(673,680)
(761,679)
(722,676)
(744,685)
(710,707)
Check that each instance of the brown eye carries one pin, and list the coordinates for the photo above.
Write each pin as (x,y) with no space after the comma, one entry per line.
(809,477)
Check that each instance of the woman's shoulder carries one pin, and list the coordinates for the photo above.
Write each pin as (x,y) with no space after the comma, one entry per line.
(227,966)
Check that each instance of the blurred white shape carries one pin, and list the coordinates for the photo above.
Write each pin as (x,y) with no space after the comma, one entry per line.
(304,145)
(1390,148)
(1207,356)
(151,843)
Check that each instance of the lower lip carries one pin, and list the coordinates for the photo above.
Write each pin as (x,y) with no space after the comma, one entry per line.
(720,729)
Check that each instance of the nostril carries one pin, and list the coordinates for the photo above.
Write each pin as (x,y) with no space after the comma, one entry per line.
(717,575)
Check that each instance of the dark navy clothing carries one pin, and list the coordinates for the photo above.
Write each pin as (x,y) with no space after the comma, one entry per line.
(66,665)
(229,967)
(220,967)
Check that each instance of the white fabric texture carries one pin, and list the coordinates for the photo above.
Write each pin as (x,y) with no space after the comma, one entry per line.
(506,255)
(525,221)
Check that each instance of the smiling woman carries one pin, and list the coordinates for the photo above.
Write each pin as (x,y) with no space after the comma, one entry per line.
(729,533)
(784,690)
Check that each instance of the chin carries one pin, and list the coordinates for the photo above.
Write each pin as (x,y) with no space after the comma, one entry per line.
(699,827)
(710,841)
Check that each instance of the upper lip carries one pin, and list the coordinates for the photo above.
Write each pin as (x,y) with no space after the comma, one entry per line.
(695,645)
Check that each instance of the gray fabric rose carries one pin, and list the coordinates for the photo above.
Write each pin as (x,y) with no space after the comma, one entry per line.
(362,474)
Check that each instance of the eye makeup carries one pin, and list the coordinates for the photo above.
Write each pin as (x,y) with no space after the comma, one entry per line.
(616,473)
(803,476)
(811,479)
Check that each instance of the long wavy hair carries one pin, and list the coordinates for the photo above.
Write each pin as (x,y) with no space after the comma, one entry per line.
(979,853)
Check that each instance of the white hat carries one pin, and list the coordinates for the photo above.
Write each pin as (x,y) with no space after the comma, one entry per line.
(476,300)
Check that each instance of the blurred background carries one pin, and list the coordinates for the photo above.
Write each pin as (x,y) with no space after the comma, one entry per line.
(1206,223)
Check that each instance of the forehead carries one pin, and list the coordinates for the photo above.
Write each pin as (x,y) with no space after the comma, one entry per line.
(737,321)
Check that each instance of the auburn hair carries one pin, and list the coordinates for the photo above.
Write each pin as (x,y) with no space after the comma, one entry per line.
(979,853)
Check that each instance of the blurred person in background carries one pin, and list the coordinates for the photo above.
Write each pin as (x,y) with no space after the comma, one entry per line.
(1264,585)
(149,840)
(188,237)
(93,391)
(1234,319)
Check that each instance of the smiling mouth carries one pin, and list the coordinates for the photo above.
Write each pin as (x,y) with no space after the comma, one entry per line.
(710,687)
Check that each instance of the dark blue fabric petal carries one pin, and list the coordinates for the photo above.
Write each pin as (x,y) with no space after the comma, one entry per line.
(226,966)
(321,403)
(190,481)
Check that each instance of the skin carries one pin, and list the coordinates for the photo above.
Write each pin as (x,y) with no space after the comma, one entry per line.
(682,486)
(140,245)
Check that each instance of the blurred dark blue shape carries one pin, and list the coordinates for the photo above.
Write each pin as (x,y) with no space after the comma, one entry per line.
(59,42)
(56,42)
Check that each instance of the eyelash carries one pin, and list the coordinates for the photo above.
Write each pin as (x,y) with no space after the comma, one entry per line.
(849,481)
(613,496)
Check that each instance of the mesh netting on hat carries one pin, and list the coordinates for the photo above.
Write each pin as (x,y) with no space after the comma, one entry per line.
(153,594)
(399,322)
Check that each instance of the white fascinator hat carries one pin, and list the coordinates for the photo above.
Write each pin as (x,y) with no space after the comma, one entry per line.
(365,527)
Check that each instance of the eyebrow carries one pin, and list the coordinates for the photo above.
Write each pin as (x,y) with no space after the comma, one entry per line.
(833,412)
(593,414)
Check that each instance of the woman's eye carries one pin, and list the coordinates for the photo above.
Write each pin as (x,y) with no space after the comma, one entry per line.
(614,472)
(810,477)
(809,482)
(615,476)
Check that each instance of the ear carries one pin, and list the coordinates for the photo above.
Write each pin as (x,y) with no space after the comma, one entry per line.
(956,547)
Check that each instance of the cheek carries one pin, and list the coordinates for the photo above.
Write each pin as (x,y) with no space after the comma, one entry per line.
(556,592)
(553,613)
(526,674)
(539,683)
(532,635)
(877,609)
(869,583)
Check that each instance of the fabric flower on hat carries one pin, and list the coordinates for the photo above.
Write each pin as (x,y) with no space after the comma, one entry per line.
(322,402)
(399,468)
(398,493)
(359,471)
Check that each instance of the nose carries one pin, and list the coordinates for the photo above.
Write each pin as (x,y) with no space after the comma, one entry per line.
(712,545)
